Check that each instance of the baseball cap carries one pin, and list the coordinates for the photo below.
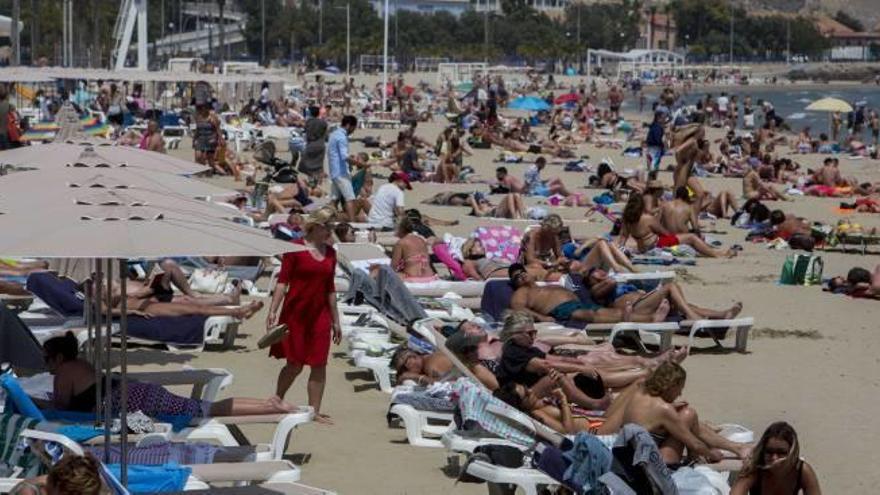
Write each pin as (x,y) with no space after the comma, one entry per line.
(401,177)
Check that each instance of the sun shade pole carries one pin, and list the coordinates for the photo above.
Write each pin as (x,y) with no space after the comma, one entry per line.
(108,365)
(123,364)
(98,278)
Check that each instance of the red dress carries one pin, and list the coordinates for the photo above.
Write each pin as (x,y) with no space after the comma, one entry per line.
(306,309)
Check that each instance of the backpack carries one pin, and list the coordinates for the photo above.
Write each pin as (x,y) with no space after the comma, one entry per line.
(802,269)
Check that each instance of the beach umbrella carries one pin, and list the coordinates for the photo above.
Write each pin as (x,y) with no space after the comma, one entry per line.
(112,227)
(530,103)
(110,179)
(18,346)
(830,105)
(96,155)
(566,98)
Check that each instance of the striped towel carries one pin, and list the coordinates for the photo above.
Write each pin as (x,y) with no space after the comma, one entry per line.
(473,401)
(13,450)
(162,453)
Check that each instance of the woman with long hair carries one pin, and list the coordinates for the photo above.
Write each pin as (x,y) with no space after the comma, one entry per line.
(649,234)
(776,467)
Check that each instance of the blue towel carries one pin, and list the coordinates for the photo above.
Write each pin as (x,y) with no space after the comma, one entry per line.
(153,479)
(80,434)
(177,422)
(17,401)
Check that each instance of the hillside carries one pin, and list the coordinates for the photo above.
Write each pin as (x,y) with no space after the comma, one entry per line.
(866,10)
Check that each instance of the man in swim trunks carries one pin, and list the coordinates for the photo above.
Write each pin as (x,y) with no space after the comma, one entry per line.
(553,303)
(655,405)
(608,292)
(508,181)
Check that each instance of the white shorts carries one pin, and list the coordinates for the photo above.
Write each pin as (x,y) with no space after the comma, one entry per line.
(341,188)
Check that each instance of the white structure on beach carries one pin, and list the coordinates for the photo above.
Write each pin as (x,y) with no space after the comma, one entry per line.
(636,62)
(458,7)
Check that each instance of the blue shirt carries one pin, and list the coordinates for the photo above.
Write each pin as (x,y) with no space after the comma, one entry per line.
(337,154)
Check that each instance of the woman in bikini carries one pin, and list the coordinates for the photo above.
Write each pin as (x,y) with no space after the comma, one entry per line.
(511,206)
(649,234)
(775,466)
(411,258)
(542,249)
(606,178)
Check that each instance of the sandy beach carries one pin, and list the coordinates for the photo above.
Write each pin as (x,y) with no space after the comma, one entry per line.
(813,357)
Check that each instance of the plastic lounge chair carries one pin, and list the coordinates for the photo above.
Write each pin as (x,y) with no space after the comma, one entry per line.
(712,328)
(202,474)
(191,332)
(363,255)
(496,300)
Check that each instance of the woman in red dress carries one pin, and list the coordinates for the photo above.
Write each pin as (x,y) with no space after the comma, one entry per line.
(306,296)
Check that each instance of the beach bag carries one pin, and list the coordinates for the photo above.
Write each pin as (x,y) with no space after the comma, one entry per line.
(802,269)
(208,281)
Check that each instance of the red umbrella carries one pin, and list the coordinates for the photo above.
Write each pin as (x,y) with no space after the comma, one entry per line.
(567,98)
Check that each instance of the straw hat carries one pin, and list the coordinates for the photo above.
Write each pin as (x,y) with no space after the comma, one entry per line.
(552,222)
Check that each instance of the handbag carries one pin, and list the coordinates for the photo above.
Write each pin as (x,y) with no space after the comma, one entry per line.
(802,269)
(208,281)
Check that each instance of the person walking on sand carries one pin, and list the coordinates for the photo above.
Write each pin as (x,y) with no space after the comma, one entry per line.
(305,294)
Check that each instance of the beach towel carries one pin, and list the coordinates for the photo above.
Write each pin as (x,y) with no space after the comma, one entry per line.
(387,293)
(500,241)
(160,453)
(473,401)
(637,456)
(13,451)
(153,479)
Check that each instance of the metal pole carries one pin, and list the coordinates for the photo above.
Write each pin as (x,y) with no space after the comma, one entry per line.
(64,34)
(123,363)
(730,59)
(15,34)
(486,33)
(348,39)
(320,22)
(108,364)
(222,4)
(579,53)
(385,63)
(263,32)
(788,41)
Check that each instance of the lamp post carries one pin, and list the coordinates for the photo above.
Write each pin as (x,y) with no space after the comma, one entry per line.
(730,57)
(263,31)
(347,9)
(385,63)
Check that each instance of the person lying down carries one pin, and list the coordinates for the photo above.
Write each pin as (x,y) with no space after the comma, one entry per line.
(74,389)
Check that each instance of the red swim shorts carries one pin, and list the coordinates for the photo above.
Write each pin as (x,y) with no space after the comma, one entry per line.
(667,240)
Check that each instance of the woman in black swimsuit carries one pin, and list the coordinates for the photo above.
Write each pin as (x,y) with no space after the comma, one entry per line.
(776,467)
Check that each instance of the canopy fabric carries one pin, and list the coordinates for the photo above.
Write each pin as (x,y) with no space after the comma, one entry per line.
(830,105)
(18,346)
(124,178)
(530,103)
(567,98)
(96,154)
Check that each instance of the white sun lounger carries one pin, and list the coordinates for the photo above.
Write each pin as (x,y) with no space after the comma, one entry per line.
(362,256)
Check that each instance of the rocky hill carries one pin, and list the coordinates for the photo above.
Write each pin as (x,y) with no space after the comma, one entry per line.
(865,10)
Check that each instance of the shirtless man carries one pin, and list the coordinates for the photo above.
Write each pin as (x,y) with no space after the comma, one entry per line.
(690,153)
(605,290)
(556,303)
(789,225)
(166,276)
(512,183)
(755,188)
(654,405)
(615,99)
(679,216)
(149,307)
(281,198)
(829,175)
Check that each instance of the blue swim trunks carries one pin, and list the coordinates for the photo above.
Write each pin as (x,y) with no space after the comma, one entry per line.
(564,311)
